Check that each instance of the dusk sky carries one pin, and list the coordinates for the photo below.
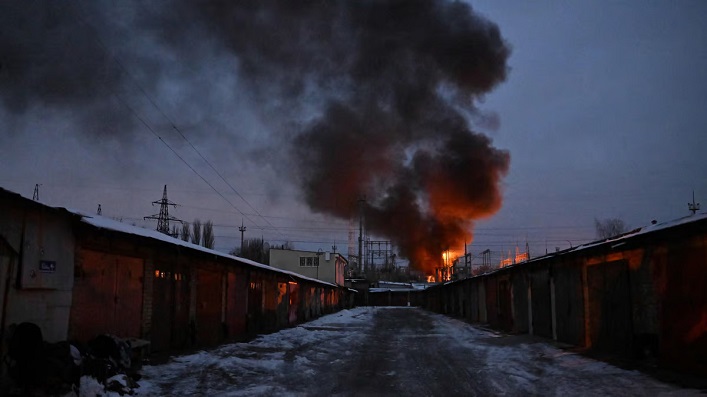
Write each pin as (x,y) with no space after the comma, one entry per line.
(601,106)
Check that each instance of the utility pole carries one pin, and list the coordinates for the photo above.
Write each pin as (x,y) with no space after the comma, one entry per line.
(694,207)
(319,256)
(351,250)
(361,201)
(163,217)
(35,196)
(336,263)
(242,230)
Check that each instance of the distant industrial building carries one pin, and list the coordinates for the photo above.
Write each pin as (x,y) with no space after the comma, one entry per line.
(324,266)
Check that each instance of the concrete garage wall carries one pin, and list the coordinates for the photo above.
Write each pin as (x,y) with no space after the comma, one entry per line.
(38,263)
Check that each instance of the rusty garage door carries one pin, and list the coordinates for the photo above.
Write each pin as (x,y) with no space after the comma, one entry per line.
(610,307)
(170,307)
(107,296)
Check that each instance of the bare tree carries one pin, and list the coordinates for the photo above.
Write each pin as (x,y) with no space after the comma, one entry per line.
(196,232)
(185,231)
(609,227)
(287,245)
(175,231)
(208,235)
(253,249)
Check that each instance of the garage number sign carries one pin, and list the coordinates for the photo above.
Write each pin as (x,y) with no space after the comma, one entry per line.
(47,266)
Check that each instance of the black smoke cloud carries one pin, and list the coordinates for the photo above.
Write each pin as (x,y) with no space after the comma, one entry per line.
(375,96)
(47,54)
(62,55)
(393,80)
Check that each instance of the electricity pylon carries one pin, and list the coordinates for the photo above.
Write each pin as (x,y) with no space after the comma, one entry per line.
(163,217)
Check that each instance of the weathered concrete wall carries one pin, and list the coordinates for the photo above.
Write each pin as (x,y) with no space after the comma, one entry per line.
(40,266)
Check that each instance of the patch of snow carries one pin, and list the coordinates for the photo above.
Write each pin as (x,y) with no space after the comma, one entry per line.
(90,387)
(286,363)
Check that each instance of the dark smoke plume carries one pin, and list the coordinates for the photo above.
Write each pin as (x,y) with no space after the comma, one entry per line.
(57,54)
(393,79)
(376,96)
(48,55)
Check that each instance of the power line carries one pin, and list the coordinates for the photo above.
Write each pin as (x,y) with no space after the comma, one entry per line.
(175,152)
(144,93)
(173,125)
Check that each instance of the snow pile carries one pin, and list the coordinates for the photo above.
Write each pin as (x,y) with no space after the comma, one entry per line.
(264,366)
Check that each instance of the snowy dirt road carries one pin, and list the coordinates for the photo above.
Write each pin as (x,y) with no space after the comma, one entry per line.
(390,351)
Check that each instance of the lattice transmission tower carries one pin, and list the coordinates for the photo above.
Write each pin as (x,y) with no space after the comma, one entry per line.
(163,218)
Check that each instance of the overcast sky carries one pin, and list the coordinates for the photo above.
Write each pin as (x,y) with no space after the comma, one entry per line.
(603,112)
